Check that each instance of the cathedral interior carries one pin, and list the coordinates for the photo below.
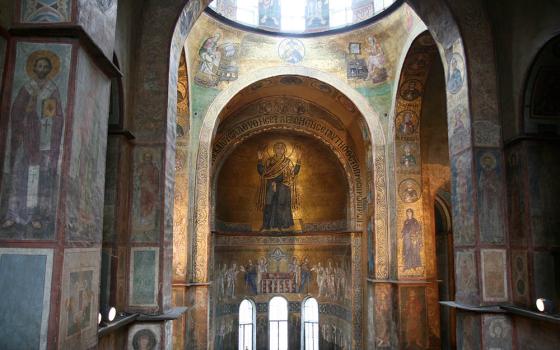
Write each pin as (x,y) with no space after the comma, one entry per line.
(279,174)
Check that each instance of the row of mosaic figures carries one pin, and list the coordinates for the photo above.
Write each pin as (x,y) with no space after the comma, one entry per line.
(331,278)
(332,335)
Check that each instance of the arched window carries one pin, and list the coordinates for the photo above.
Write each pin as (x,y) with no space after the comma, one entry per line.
(278,323)
(310,312)
(246,325)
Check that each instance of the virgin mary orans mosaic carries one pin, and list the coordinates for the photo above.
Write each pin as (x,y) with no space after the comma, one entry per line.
(277,195)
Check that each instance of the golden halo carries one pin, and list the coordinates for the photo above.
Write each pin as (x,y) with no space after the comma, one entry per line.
(289,148)
(491,160)
(51,56)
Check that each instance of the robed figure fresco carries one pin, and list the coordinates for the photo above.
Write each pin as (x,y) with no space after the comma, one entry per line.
(36,124)
(411,241)
(277,194)
(148,174)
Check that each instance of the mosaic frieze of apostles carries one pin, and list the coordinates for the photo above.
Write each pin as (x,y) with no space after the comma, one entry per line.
(334,333)
(323,273)
(262,267)
(33,139)
(281,182)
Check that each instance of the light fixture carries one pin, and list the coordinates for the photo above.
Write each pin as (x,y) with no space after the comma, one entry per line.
(107,315)
(99,318)
(112,314)
(545,305)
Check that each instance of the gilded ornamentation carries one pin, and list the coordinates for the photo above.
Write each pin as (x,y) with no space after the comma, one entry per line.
(411,242)
(382,256)
(239,132)
(357,287)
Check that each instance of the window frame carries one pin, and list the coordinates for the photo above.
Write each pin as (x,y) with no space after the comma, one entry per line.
(278,322)
(253,324)
(314,324)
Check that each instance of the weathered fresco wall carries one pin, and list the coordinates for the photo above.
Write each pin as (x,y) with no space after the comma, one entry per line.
(87,158)
(25,274)
(80,295)
(260,267)
(33,140)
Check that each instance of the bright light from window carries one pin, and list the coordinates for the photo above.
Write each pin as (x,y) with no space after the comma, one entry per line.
(248,12)
(298,16)
(246,325)
(311,324)
(378,6)
(278,323)
(292,16)
(340,13)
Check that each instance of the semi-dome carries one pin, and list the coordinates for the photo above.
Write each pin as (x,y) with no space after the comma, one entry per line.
(299,16)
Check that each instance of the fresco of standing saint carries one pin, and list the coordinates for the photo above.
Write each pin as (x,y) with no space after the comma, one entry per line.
(411,241)
(35,135)
(149,187)
(277,194)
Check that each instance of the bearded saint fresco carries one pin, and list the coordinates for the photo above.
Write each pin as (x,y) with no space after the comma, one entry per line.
(35,135)
(277,194)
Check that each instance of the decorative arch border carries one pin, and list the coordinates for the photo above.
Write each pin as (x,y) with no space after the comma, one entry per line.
(305,124)
(201,227)
(477,106)
(201,233)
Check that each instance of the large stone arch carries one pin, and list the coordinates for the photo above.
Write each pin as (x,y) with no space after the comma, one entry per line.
(198,250)
(474,132)
(467,34)
(201,223)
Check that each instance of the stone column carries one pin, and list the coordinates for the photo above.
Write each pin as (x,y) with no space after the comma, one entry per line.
(165,25)
(478,193)
(55,100)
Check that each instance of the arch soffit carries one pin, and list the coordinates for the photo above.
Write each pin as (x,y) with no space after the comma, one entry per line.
(402,58)
(209,124)
(215,113)
(211,121)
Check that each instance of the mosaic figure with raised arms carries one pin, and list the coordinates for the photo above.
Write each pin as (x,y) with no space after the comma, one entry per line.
(277,194)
